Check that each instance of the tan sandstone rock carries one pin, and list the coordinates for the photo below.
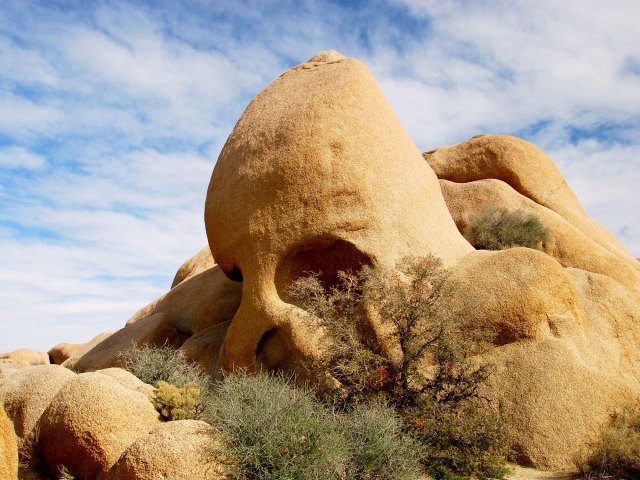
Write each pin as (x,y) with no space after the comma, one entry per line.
(521,293)
(200,301)
(91,422)
(569,245)
(26,356)
(27,394)
(188,449)
(317,175)
(200,262)
(65,351)
(526,169)
(8,448)
(155,330)
(128,380)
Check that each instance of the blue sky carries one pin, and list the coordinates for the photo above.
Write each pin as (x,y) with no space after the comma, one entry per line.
(112,115)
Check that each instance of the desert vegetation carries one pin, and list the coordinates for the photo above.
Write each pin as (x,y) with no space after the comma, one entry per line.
(407,398)
(616,454)
(395,338)
(496,229)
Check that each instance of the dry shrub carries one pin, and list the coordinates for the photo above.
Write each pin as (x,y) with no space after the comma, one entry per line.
(394,336)
(616,455)
(497,229)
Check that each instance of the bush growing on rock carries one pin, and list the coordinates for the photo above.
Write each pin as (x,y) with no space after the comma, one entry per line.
(422,359)
(496,229)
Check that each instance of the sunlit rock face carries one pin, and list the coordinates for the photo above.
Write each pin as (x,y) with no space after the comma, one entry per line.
(318,175)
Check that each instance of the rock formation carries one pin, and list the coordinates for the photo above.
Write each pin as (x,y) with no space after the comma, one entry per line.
(319,175)
(26,394)
(89,424)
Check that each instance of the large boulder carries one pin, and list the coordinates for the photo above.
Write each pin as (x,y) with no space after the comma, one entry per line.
(157,330)
(201,261)
(317,175)
(27,394)
(91,422)
(64,351)
(569,245)
(179,449)
(8,448)
(566,354)
(527,170)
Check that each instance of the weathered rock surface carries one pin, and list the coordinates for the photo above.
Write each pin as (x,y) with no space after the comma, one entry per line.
(91,422)
(317,175)
(128,380)
(200,262)
(25,356)
(64,351)
(27,394)
(155,330)
(526,169)
(8,448)
(179,449)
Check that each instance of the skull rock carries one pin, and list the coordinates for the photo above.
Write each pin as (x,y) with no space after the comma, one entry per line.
(318,175)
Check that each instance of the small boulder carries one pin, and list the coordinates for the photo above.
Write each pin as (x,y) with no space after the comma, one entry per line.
(90,423)
(64,351)
(179,449)
(8,448)
(26,356)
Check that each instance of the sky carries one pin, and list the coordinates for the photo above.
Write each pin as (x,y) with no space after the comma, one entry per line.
(112,115)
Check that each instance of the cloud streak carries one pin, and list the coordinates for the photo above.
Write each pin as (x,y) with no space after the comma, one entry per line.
(112,115)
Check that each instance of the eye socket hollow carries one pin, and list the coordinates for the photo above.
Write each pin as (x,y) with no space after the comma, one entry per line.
(323,256)
(235,274)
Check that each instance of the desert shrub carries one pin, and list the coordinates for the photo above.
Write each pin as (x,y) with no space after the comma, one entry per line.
(496,229)
(616,454)
(178,403)
(459,441)
(277,430)
(379,447)
(154,364)
(395,336)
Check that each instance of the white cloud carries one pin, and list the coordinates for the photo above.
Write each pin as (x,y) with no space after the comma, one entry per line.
(18,157)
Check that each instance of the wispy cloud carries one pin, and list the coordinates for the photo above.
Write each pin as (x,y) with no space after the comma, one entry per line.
(112,115)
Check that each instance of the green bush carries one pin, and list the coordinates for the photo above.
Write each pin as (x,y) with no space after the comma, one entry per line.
(178,403)
(278,431)
(616,455)
(497,229)
(154,364)
(380,449)
(425,364)
(459,441)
